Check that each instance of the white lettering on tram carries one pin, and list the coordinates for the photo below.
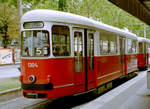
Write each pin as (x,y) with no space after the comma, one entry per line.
(32,65)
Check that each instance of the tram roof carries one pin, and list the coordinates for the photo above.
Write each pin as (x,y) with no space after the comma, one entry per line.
(142,39)
(64,17)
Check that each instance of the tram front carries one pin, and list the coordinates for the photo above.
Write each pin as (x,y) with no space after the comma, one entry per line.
(46,63)
(35,50)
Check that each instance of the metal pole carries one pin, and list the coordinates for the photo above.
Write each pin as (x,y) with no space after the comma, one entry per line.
(144,31)
(20,7)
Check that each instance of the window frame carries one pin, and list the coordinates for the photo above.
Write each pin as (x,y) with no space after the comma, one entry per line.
(79,58)
(35,30)
(91,58)
(70,40)
(108,38)
(133,41)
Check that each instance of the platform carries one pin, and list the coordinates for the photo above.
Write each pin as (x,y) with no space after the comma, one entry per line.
(130,95)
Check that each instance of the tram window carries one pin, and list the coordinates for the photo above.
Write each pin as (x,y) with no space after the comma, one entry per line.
(35,43)
(140,48)
(91,50)
(104,44)
(78,51)
(113,44)
(145,48)
(148,45)
(134,46)
(131,44)
(61,40)
(108,44)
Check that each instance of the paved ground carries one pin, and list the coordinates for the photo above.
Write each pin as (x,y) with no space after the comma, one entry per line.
(19,103)
(131,95)
(9,71)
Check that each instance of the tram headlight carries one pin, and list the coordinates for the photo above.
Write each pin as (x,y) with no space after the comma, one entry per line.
(32,78)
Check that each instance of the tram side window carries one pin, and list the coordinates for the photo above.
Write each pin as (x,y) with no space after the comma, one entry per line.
(61,40)
(113,44)
(108,44)
(104,44)
(131,44)
(140,48)
(145,48)
(148,45)
(134,46)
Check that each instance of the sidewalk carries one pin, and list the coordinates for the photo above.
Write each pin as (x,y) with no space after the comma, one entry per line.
(130,95)
(7,71)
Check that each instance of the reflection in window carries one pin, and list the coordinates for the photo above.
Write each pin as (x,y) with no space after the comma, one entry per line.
(145,50)
(103,44)
(140,48)
(145,47)
(78,51)
(134,46)
(35,43)
(61,40)
(131,45)
(148,45)
(91,51)
(113,44)
(108,44)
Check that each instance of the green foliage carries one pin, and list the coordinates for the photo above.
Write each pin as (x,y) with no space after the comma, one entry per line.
(100,10)
(34,3)
(62,6)
(13,3)
(4,1)
(9,83)
(9,23)
(48,4)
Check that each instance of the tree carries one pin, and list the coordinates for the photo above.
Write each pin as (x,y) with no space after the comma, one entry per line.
(102,11)
(9,21)
(62,6)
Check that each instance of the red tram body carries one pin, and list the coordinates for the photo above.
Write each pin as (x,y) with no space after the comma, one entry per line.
(65,54)
(143,54)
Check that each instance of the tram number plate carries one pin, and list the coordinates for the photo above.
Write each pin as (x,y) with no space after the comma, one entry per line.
(32,95)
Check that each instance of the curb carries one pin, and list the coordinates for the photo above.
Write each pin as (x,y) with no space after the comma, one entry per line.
(10,91)
(10,94)
(10,64)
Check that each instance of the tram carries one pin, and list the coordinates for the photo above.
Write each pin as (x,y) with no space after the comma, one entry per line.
(65,54)
(143,54)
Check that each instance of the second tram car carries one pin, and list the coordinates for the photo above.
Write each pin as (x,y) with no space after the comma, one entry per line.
(143,54)
(65,54)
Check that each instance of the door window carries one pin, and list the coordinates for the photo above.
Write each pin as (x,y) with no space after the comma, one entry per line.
(91,50)
(78,51)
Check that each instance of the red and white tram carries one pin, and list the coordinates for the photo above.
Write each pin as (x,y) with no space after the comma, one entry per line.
(65,54)
(143,54)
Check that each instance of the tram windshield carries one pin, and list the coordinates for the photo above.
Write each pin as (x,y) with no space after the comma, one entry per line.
(35,43)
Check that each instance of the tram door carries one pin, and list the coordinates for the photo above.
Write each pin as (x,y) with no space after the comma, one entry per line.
(91,76)
(84,60)
(145,52)
(122,54)
(79,74)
